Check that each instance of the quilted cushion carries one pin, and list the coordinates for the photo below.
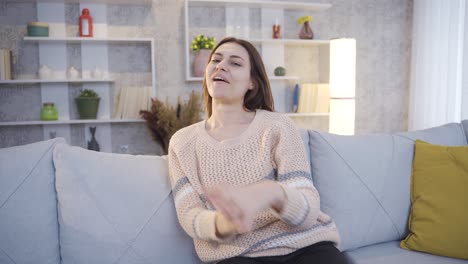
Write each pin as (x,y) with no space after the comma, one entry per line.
(28,209)
(364,181)
(391,253)
(116,208)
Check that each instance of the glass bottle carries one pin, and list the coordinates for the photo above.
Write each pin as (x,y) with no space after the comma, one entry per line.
(49,112)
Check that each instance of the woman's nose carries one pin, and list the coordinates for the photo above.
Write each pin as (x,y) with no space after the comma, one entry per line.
(221,65)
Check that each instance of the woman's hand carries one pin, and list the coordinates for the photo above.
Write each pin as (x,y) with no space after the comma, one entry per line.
(240,205)
(224,227)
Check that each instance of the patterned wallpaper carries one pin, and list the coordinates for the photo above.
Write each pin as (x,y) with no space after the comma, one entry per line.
(382,29)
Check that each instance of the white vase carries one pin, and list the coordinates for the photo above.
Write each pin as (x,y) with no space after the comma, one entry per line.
(44,72)
(97,73)
(72,73)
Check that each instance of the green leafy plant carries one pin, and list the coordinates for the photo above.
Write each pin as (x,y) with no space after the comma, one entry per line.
(163,120)
(88,93)
(304,19)
(202,42)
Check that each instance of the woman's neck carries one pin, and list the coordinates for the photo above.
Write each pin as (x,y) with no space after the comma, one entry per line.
(229,116)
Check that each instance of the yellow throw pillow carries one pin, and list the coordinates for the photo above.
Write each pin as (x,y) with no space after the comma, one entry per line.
(438,223)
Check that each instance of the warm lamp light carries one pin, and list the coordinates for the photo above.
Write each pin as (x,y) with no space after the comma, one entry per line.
(342,85)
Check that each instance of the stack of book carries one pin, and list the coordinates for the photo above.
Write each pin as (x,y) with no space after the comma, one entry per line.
(6,64)
(314,98)
(130,100)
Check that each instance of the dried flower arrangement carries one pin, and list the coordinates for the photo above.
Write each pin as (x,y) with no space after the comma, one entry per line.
(164,120)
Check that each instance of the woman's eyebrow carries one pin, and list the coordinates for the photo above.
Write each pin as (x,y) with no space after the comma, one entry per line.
(232,56)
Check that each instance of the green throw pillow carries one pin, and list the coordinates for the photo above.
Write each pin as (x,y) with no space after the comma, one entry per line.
(438,223)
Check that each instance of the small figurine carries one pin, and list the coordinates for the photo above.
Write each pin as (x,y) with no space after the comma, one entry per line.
(276,31)
(93,144)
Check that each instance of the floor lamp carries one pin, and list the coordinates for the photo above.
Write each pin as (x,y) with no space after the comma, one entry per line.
(342,85)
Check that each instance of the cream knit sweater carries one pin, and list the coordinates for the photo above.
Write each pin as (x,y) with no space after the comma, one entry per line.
(269,149)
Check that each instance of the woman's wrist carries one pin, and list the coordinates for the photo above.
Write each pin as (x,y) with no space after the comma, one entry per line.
(279,197)
(224,227)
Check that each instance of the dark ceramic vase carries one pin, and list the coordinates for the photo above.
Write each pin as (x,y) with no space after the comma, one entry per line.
(306,31)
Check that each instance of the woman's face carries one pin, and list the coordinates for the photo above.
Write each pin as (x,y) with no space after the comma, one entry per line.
(228,73)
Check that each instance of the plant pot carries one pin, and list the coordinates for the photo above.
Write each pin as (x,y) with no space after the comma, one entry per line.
(200,61)
(87,107)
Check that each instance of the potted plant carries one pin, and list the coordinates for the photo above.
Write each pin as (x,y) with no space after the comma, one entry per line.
(87,104)
(203,45)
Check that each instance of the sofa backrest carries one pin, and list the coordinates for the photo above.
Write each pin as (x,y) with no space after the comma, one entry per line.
(28,209)
(364,181)
(465,127)
(117,208)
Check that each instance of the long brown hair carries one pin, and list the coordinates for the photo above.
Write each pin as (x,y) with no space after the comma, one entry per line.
(260,97)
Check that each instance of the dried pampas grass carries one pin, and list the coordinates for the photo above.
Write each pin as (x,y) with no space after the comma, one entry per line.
(164,120)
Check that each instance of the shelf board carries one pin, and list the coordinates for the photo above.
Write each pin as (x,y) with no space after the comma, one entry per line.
(285,78)
(309,42)
(271,78)
(71,122)
(113,2)
(54,81)
(87,39)
(307,114)
(260,4)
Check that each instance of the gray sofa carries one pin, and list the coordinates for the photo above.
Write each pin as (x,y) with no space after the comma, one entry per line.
(63,204)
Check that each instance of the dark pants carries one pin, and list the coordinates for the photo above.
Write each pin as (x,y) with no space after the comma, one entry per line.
(319,253)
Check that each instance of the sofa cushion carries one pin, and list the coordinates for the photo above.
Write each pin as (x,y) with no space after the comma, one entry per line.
(391,253)
(438,219)
(116,208)
(364,181)
(28,207)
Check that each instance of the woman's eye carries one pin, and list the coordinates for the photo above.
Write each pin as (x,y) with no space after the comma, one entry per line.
(236,64)
(215,60)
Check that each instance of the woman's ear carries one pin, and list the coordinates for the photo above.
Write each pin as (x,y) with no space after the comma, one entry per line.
(251,85)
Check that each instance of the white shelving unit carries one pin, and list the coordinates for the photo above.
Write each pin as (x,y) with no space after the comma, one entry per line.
(237,21)
(94,53)
(112,2)
(272,78)
(261,4)
(20,81)
(302,42)
(306,114)
(87,39)
(71,122)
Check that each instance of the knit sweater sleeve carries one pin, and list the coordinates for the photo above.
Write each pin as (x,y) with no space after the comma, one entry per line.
(197,221)
(302,206)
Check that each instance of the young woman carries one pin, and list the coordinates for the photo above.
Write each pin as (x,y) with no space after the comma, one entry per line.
(241,180)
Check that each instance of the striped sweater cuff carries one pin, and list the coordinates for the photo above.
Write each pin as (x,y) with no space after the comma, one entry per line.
(295,209)
(204,225)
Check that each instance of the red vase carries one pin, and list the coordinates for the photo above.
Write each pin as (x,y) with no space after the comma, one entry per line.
(200,62)
(306,31)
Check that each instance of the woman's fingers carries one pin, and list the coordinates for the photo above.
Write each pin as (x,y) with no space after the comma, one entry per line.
(224,202)
(237,204)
